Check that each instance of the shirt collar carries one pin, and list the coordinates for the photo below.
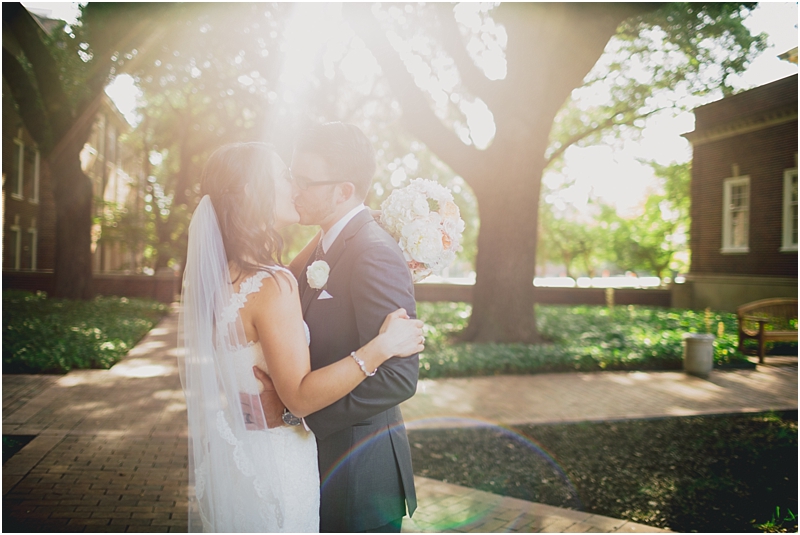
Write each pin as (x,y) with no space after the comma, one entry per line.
(329,237)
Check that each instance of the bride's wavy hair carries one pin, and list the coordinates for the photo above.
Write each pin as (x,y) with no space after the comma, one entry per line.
(238,178)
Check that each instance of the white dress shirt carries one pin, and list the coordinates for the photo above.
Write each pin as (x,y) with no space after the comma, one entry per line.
(329,237)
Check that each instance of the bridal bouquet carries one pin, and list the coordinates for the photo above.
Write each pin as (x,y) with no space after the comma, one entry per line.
(427,224)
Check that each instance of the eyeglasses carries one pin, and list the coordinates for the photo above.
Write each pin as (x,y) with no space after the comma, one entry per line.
(304,182)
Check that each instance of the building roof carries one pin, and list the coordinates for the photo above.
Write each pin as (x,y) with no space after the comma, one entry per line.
(760,107)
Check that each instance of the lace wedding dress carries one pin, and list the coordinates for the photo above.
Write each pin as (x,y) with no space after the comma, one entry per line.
(293,447)
(241,479)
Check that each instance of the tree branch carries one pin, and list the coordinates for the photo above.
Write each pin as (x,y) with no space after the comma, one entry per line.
(552,47)
(608,123)
(417,114)
(25,95)
(471,75)
(142,35)
(31,39)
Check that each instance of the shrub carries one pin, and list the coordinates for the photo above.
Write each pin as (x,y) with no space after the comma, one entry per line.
(582,338)
(42,335)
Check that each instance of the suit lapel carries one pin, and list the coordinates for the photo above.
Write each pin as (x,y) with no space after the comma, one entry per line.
(339,246)
(333,254)
(307,293)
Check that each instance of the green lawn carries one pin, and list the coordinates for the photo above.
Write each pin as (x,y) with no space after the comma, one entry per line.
(42,335)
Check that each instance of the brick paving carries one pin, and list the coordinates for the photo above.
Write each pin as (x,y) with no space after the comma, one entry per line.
(600,396)
(109,453)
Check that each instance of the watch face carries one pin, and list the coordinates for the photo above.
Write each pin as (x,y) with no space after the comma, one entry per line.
(290,419)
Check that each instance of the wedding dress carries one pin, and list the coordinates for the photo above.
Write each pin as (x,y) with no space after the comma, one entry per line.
(241,479)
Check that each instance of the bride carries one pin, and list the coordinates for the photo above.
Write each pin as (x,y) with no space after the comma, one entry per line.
(240,309)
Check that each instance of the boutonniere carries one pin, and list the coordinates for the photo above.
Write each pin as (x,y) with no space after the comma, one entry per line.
(317,274)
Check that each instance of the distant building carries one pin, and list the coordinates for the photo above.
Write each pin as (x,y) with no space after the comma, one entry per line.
(116,173)
(28,206)
(744,199)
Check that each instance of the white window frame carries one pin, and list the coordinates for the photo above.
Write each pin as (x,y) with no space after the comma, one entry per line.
(17,233)
(37,162)
(34,234)
(789,211)
(19,180)
(727,234)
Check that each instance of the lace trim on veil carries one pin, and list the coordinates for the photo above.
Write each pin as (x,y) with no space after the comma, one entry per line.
(225,457)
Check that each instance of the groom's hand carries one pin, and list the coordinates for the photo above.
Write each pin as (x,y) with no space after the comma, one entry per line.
(270,402)
(253,421)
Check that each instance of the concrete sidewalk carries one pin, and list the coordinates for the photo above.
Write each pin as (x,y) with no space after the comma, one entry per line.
(109,452)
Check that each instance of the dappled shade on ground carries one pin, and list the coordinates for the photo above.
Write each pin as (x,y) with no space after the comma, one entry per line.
(707,474)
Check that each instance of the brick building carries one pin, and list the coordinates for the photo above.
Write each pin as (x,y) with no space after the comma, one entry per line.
(117,176)
(28,207)
(744,199)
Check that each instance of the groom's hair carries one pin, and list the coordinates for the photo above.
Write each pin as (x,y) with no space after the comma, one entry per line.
(345,149)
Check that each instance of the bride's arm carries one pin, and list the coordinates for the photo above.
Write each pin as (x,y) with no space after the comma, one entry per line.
(278,320)
(298,262)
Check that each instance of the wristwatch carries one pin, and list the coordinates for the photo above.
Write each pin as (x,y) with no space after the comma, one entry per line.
(289,418)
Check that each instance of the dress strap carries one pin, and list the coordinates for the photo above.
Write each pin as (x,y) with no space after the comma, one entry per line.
(248,286)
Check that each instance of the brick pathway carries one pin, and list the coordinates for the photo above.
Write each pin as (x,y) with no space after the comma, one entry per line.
(571,397)
(110,446)
(446,507)
(109,452)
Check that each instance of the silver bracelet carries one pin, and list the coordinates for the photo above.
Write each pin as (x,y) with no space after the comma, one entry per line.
(362,365)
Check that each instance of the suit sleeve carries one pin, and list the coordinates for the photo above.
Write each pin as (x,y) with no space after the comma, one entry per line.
(380,284)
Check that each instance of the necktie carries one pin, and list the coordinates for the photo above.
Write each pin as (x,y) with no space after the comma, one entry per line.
(318,252)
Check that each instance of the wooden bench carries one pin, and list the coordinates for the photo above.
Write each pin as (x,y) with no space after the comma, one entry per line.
(780,314)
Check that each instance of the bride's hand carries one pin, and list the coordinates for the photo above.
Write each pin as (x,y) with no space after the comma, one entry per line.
(403,336)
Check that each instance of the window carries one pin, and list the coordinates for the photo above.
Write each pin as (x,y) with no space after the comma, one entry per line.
(18,175)
(34,236)
(36,167)
(736,215)
(16,244)
(789,210)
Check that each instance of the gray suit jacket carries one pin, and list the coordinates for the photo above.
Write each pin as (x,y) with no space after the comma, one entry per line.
(364,455)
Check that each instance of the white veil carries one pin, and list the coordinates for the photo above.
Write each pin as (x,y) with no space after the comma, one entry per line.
(233,479)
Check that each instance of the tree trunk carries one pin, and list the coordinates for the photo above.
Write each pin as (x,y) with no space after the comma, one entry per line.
(73,200)
(502,308)
(551,47)
(183,182)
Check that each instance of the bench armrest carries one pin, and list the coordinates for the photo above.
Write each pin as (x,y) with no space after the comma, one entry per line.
(759,319)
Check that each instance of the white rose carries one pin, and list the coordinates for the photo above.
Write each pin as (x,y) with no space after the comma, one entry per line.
(422,241)
(420,207)
(317,274)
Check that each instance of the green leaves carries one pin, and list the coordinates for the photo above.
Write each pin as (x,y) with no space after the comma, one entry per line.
(42,335)
(686,50)
(584,338)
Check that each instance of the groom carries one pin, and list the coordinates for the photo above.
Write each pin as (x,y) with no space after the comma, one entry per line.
(364,455)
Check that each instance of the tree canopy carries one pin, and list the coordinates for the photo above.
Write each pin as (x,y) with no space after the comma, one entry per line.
(487,98)
(434,58)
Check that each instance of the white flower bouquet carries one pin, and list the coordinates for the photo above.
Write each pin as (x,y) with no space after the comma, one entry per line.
(427,225)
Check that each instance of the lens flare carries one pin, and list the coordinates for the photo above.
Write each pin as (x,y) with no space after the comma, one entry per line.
(462,513)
